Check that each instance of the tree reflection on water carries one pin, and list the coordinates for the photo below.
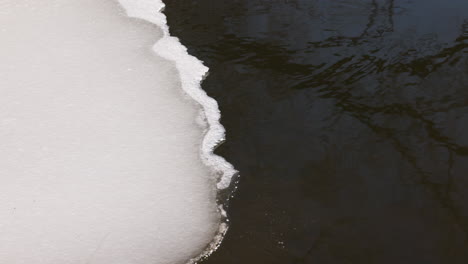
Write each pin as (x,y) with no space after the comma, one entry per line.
(348,121)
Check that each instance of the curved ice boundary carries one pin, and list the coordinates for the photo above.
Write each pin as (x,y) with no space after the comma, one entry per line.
(192,72)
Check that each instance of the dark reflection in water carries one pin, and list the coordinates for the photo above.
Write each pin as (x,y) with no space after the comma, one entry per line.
(348,120)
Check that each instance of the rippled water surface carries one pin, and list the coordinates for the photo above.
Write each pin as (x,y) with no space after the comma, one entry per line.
(348,121)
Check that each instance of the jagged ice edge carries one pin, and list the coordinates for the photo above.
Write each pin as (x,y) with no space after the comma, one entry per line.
(192,72)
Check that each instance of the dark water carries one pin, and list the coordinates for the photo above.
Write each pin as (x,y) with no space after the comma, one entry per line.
(348,121)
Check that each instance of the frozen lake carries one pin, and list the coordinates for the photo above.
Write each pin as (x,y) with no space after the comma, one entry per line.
(99,145)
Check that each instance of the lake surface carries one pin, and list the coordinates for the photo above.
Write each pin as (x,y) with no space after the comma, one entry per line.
(348,122)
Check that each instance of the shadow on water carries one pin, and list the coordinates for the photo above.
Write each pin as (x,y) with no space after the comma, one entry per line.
(348,121)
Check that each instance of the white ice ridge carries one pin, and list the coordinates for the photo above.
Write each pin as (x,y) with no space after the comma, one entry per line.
(99,148)
(192,72)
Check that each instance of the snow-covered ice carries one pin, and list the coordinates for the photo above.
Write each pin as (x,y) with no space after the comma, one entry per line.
(102,159)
